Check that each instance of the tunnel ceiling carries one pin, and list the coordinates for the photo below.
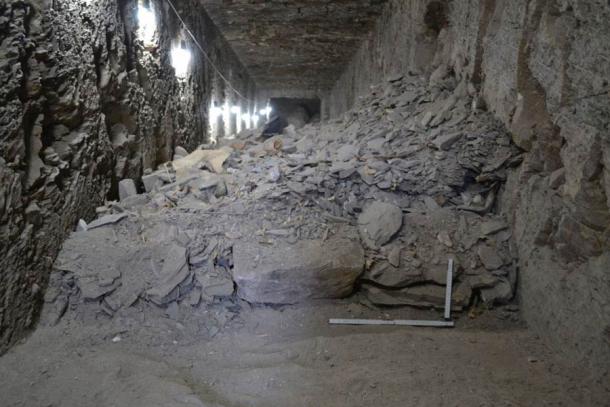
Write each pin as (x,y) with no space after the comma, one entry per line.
(294,45)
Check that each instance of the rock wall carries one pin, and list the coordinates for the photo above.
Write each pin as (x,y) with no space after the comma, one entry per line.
(542,67)
(85,102)
(404,40)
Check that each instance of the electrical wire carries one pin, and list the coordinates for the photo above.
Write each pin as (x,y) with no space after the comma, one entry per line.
(205,54)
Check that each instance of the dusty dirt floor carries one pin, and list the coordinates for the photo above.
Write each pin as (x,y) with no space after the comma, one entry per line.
(290,356)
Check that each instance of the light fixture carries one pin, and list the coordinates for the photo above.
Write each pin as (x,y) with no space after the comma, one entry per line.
(235,109)
(246,118)
(215,113)
(147,24)
(181,58)
(255,119)
(226,114)
(266,111)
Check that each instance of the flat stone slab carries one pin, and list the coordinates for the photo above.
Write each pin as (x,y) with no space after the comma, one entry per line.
(379,222)
(288,274)
(127,188)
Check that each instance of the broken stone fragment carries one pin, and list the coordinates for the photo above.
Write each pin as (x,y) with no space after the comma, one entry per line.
(492,226)
(395,78)
(214,281)
(135,200)
(106,220)
(224,288)
(376,144)
(489,257)
(426,296)
(81,226)
(557,178)
(394,256)
(205,180)
(54,310)
(444,238)
(390,276)
(221,189)
(500,293)
(379,222)
(274,174)
(481,280)
(213,159)
(174,272)
(427,118)
(127,188)
(445,142)
(437,273)
(305,145)
(152,181)
(288,274)
(289,148)
(127,293)
(92,289)
(181,151)
(347,152)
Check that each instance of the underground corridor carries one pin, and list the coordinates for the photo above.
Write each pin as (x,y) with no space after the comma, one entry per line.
(276,203)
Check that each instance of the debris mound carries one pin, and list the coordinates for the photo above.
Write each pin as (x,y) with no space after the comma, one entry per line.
(377,200)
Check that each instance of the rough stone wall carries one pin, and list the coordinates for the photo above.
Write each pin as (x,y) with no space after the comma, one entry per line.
(542,66)
(402,41)
(83,103)
(557,105)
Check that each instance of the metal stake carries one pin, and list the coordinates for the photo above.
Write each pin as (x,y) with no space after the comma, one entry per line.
(448,289)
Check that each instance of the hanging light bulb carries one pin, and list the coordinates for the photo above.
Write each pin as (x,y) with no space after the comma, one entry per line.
(266,111)
(181,58)
(226,114)
(147,24)
(246,118)
(215,113)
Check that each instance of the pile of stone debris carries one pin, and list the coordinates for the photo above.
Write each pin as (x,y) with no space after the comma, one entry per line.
(378,201)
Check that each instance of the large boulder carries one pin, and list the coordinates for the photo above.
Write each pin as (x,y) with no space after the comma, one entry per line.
(288,274)
(379,222)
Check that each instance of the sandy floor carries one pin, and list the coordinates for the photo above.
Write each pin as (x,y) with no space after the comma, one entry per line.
(290,356)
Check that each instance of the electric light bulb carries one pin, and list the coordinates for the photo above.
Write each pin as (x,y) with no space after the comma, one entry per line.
(147,25)
(181,58)
(215,112)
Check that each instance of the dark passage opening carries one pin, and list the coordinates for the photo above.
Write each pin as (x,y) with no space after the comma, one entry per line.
(292,111)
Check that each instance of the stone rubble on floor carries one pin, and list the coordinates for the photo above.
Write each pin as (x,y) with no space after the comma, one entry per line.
(375,202)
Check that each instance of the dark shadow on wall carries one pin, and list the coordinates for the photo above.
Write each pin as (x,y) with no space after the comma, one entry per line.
(296,111)
(436,16)
(292,111)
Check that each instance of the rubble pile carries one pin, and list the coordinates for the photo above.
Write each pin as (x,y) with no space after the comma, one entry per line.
(377,201)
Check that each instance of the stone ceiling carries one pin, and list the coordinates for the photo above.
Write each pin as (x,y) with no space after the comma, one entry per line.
(298,45)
